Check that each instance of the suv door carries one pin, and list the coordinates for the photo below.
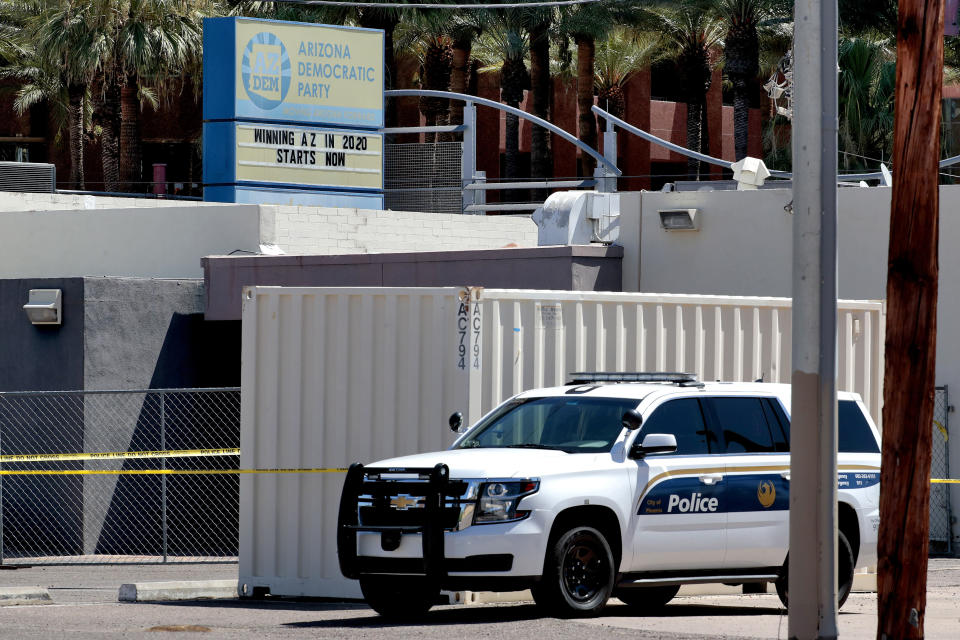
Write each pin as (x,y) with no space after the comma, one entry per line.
(756,453)
(680,523)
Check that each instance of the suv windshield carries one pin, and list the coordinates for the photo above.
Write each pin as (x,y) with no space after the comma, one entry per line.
(564,423)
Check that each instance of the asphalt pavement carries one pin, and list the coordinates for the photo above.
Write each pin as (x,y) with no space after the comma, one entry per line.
(85,606)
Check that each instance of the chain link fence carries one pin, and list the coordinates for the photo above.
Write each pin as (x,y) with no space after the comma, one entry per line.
(95,500)
(423,177)
(941,534)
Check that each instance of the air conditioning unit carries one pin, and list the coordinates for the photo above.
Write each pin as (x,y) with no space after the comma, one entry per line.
(578,217)
(28,177)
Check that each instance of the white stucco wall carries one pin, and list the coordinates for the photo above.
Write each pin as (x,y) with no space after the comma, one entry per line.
(163,241)
(745,245)
(319,231)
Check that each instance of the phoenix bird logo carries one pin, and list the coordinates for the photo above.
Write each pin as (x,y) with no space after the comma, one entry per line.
(766,494)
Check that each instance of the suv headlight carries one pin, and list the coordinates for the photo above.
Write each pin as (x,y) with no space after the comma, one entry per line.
(498,501)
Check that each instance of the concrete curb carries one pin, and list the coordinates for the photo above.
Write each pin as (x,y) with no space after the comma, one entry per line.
(10,596)
(178,590)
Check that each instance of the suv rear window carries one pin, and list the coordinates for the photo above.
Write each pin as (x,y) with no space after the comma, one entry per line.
(854,432)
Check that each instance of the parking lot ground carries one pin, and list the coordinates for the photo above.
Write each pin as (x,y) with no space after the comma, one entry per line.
(85,607)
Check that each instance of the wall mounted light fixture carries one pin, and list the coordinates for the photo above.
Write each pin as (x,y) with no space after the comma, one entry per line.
(679,220)
(43,306)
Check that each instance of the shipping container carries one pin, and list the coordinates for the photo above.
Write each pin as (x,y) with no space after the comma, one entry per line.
(332,376)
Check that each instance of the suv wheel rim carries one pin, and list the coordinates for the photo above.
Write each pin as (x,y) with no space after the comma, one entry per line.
(583,572)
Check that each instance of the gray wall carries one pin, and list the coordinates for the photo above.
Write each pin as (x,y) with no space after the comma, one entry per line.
(41,358)
(744,247)
(117,333)
(151,334)
(581,268)
(145,334)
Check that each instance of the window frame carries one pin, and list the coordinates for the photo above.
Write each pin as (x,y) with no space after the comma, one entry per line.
(709,431)
(717,427)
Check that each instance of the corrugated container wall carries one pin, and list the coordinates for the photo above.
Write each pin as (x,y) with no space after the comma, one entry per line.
(537,338)
(337,375)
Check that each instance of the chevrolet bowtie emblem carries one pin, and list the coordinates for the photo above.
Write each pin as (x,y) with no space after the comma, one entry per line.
(403,502)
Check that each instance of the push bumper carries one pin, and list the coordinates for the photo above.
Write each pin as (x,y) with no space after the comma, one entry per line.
(374,538)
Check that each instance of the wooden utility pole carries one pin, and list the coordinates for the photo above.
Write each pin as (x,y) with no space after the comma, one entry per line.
(912,272)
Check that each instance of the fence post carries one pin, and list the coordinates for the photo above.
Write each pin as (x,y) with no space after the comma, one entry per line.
(163,477)
(1,492)
(468,158)
(946,469)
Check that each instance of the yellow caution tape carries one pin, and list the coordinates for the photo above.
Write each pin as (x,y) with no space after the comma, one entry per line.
(158,472)
(119,455)
(943,430)
(945,481)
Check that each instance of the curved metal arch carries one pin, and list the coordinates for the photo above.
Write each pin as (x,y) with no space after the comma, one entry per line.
(430,93)
(626,126)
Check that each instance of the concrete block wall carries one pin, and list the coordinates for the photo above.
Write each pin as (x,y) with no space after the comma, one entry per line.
(320,231)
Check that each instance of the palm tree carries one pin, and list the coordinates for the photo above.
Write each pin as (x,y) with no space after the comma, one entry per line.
(427,34)
(464,29)
(387,19)
(692,33)
(504,47)
(55,64)
(741,60)
(619,57)
(537,23)
(152,41)
(14,15)
(586,24)
(866,91)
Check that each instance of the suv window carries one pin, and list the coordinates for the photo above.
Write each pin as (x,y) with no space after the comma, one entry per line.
(779,425)
(743,425)
(684,419)
(853,431)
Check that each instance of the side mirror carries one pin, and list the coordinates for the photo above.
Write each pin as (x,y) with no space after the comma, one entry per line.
(632,420)
(654,443)
(456,421)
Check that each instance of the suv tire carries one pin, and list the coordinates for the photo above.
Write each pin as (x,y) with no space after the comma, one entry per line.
(578,574)
(398,598)
(844,573)
(646,600)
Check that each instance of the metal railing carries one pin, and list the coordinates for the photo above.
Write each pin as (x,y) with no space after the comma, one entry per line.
(92,477)
(473,184)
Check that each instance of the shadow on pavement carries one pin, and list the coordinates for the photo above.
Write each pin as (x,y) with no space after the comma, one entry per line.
(515,613)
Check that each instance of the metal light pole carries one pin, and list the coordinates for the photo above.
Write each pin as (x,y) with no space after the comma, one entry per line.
(813,432)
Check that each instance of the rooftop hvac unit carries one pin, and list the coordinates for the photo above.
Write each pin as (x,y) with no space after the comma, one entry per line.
(32,177)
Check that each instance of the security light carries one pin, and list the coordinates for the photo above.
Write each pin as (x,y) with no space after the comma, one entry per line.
(680,220)
(43,306)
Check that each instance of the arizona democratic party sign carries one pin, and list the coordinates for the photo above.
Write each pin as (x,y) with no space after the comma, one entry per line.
(292,72)
(291,113)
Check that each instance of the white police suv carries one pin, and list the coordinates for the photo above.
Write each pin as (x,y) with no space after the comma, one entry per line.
(625,485)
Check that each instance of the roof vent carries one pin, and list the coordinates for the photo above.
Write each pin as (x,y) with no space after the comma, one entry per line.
(28,177)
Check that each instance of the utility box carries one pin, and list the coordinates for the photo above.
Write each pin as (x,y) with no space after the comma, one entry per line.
(332,376)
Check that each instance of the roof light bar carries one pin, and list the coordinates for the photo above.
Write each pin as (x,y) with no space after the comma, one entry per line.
(632,376)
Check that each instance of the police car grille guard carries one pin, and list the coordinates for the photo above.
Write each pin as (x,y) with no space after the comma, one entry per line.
(432,483)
